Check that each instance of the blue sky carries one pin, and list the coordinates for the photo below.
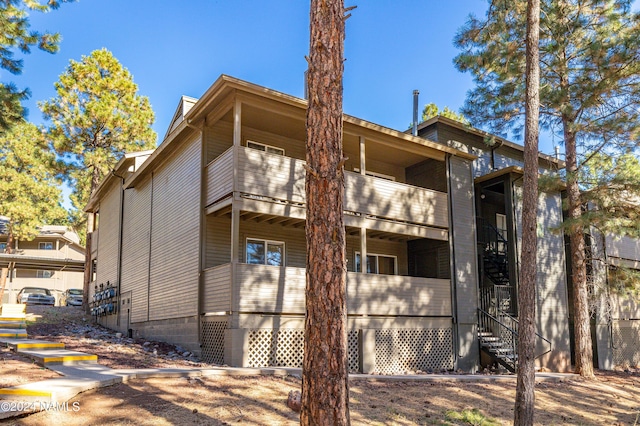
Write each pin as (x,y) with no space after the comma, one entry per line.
(180,48)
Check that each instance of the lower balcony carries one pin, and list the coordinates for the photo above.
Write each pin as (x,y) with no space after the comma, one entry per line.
(275,290)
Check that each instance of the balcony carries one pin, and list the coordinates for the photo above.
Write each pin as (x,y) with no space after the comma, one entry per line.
(275,177)
(276,290)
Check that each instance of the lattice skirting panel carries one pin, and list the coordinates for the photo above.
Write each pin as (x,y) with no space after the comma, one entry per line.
(213,341)
(399,351)
(285,348)
(626,344)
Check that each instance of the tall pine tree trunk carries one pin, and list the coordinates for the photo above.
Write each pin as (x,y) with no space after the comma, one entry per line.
(581,320)
(325,391)
(525,388)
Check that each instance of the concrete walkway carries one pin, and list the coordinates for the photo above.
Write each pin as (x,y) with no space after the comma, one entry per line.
(81,372)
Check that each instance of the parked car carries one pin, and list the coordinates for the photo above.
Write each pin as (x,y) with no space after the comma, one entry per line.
(36,296)
(72,297)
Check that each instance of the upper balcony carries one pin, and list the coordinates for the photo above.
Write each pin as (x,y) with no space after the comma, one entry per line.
(272,177)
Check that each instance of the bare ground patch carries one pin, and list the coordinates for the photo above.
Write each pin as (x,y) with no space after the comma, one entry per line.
(613,399)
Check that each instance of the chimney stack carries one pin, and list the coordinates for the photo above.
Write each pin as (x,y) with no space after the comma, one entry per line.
(415,112)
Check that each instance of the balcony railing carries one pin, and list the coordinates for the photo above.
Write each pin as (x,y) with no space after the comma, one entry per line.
(277,177)
(270,289)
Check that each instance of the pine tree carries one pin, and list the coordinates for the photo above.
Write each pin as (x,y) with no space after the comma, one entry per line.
(325,390)
(15,35)
(432,110)
(29,191)
(96,117)
(525,387)
(590,87)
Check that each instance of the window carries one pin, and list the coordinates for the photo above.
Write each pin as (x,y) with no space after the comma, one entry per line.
(45,246)
(262,147)
(94,269)
(379,264)
(501,226)
(3,247)
(44,274)
(264,252)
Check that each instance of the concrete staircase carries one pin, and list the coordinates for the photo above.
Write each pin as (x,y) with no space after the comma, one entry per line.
(12,321)
(499,349)
(13,334)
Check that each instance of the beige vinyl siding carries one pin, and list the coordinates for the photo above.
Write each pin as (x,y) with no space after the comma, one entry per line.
(293,148)
(217,289)
(386,169)
(72,252)
(623,252)
(220,177)
(393,200)
(551,289)
(503,156)
(94,243)
(352,246)
(218,139)
(108,239)
(218,241)
(464,239)
(551,283)
(623,247)
(294,240)
(374,294)
(135,248)
(175,235)
(625,306)
(271,175)
(464,258)
(428,174)
(387,248)
(62,249)
(430,133)
(283,178)
(272,289)
(269,289)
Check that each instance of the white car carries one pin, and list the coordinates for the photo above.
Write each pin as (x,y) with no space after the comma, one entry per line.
(72,297)
(36,296)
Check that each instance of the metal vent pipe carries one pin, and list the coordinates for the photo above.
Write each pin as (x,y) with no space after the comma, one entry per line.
(415,112)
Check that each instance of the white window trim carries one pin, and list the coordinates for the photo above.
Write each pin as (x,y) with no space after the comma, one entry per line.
(40,244)
(376,174)
(275,148)
(395,262)
(266,242)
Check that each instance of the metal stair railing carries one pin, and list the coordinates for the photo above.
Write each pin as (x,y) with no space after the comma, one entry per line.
(507,336)
(505,348)
(497,299)
(491,238)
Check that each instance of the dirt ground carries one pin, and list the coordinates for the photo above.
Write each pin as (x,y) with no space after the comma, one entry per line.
(613,399)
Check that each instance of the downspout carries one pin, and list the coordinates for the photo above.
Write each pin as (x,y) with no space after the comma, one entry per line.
(452,251)
(150,240)
(202,227)
(120,233)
